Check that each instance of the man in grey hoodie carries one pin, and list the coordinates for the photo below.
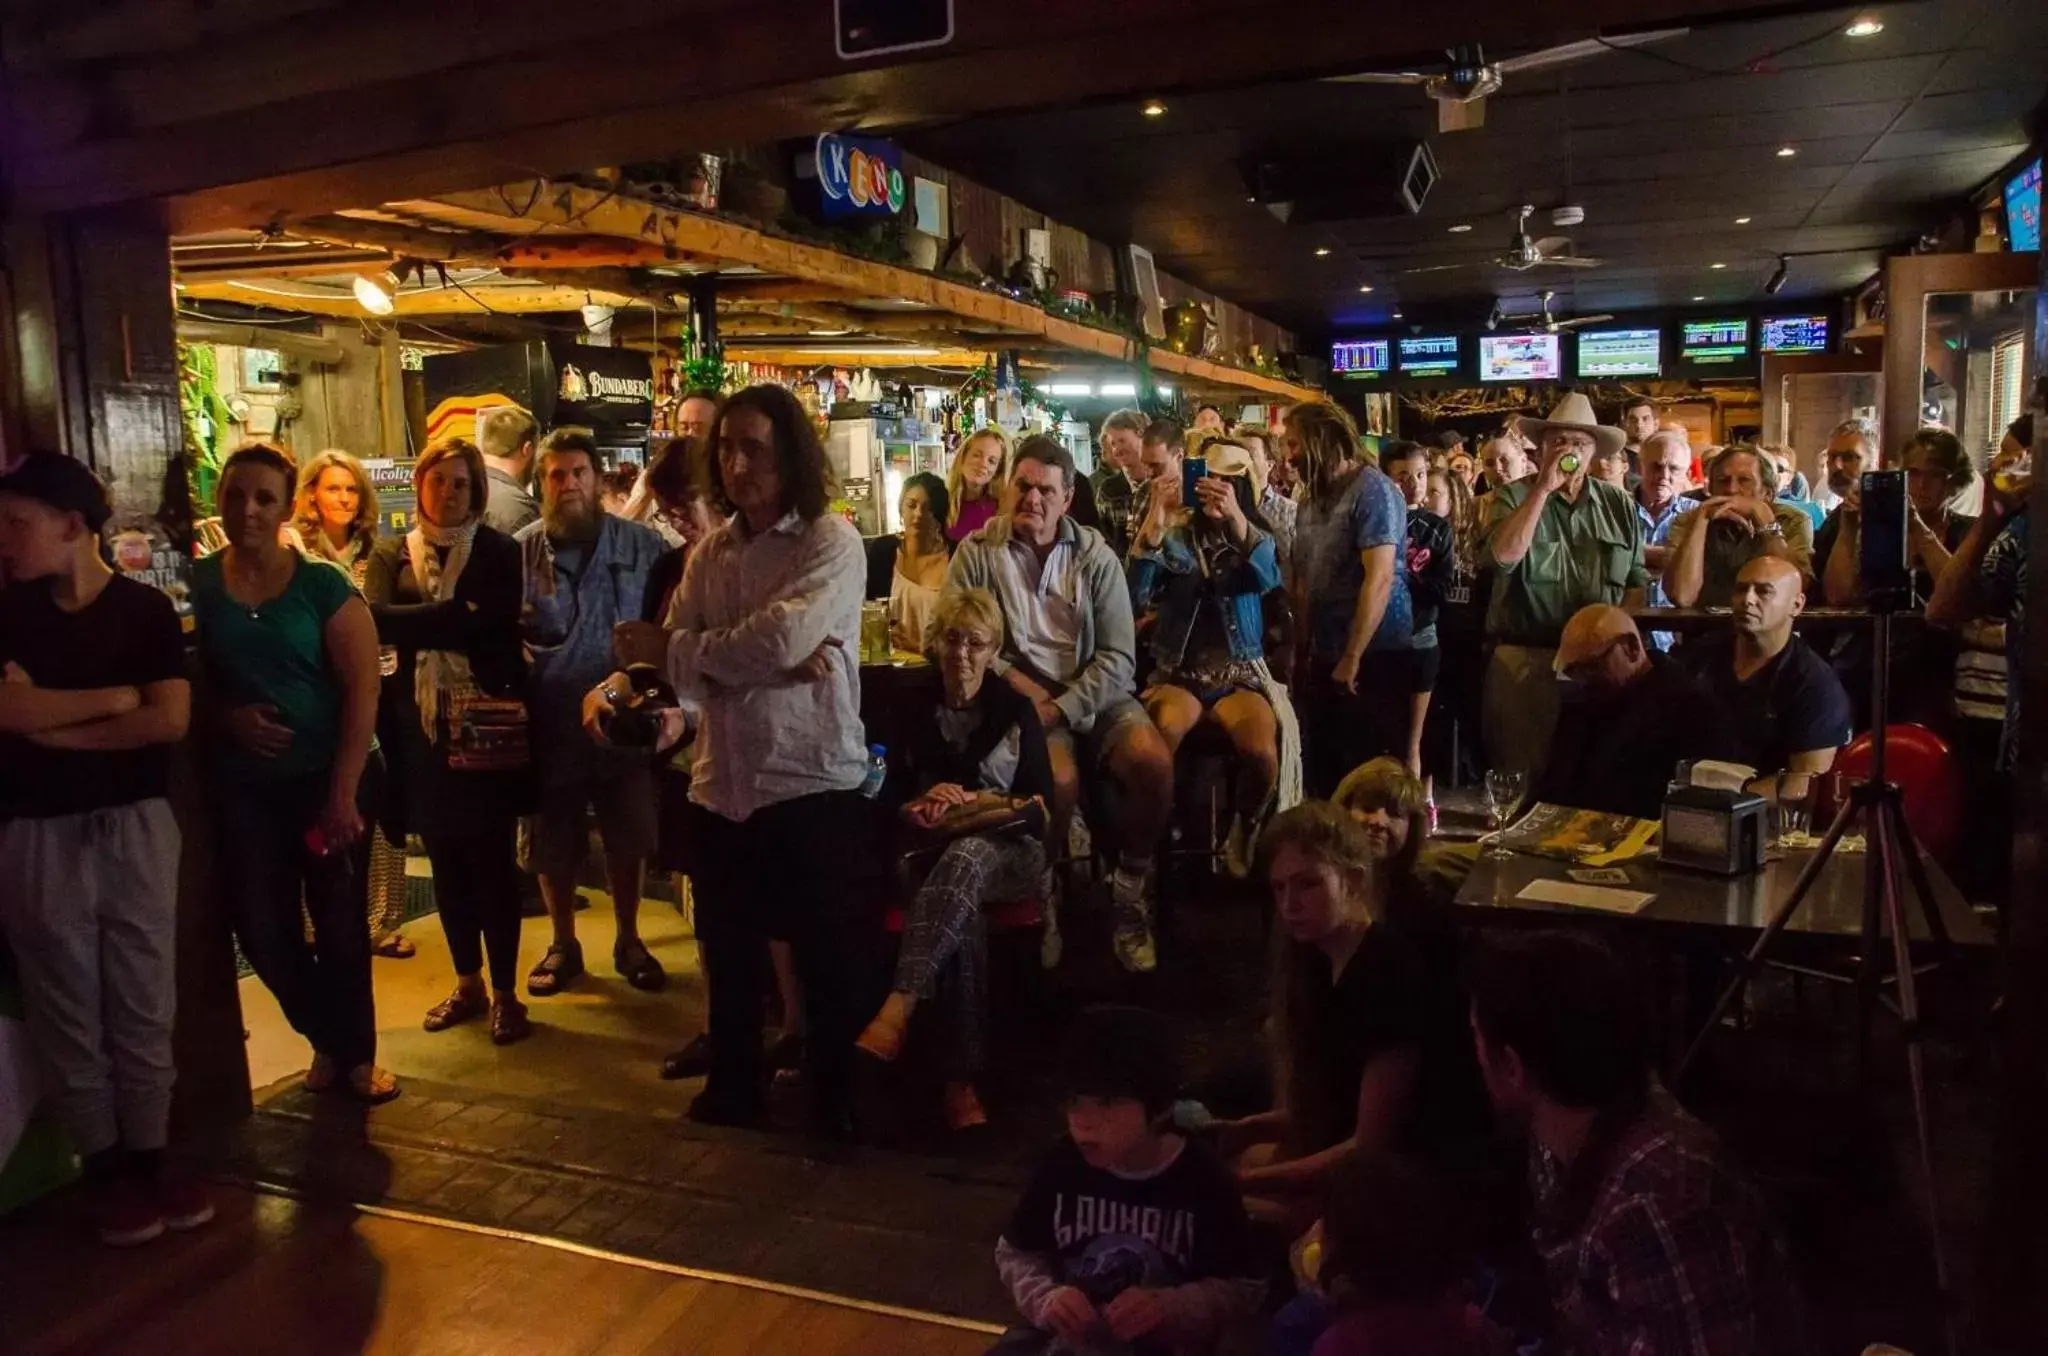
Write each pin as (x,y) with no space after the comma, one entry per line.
(1069,646)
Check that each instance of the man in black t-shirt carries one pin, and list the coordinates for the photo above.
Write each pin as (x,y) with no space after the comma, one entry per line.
(95,694)
(1629,716)
(1778,705)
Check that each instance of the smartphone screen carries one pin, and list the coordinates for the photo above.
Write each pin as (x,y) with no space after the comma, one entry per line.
(1886,580)
(1192,469)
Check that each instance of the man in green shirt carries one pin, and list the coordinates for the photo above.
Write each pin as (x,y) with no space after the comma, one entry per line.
(1559,541)
(1743,519)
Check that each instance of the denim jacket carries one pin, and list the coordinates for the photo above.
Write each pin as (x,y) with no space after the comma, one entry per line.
(1172,577)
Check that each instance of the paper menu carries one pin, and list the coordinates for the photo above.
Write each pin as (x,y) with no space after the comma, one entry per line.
(1601,897)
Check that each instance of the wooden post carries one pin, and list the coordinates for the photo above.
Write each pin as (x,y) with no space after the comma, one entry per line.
(92,322)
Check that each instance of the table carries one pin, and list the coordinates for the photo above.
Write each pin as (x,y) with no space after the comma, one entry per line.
(894,695)
(1693,621)
(1732,909)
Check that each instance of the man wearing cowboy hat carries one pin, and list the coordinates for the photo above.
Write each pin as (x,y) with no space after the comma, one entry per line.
(1559,541)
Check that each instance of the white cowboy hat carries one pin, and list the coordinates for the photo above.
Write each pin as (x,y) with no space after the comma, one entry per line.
(1574,413)
(1228,459)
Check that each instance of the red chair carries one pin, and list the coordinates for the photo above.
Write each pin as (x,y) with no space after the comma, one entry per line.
(1921,764)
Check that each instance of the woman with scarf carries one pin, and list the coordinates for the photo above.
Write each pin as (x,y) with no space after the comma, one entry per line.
(447,595)
(334,518)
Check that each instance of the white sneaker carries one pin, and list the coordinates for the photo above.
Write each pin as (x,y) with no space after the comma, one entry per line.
(1135,947)
(1080,842)
(1051,948)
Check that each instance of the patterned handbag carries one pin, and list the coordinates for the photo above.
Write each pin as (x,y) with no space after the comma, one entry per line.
(489,734)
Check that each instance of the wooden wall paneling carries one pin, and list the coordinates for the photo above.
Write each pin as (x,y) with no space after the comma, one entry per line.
(1071,258)
(978,220)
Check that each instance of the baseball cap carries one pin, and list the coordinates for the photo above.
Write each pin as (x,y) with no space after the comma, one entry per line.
(63,483)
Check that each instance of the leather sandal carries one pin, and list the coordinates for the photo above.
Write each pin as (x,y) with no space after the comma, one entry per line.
(558,969)
(509,1022)
(692,1061)
(371,1085)
(638,966)
(465,1004)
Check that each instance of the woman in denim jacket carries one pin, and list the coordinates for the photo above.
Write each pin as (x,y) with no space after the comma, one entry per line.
(1205,570)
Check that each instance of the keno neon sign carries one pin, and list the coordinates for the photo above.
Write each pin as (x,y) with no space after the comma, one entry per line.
(858,175)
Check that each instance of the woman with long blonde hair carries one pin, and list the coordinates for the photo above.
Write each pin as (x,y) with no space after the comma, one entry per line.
(976,481)
(334,512)
(334,518)
(1370,1048)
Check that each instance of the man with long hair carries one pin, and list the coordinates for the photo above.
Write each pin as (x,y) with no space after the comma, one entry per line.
(585,570)
(764,638)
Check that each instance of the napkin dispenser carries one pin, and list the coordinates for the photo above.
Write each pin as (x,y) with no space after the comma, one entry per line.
(1713,829)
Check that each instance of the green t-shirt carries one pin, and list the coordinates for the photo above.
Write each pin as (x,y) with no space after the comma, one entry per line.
(274,653)
(1583,553)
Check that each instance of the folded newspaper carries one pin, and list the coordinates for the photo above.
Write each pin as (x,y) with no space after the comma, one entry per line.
(1584,836)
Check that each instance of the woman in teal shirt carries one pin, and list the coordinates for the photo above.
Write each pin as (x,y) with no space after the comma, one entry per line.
(291,664)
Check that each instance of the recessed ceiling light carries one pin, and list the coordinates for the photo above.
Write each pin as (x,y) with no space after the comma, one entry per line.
(1251,197)
(1699,298)
(1742,221)
(1787,152)
(1865,27)
(1366,288)
(1717,265)
(1397,315)
(1461,228)
(1153,108)
(1322,250)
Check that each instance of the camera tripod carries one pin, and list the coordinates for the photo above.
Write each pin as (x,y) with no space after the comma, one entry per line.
(1892,856)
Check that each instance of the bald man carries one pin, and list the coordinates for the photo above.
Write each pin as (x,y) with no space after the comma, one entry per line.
(1630,714)
(1780,706)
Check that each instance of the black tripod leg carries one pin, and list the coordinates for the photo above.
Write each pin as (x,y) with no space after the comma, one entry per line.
(1877,866)
(1753,962)
(1895,846)
(1916,872)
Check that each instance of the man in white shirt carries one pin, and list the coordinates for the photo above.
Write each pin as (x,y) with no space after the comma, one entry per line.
(1070,647)
(763,637)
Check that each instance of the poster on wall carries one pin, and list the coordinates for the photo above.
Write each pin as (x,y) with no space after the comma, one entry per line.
(458,385)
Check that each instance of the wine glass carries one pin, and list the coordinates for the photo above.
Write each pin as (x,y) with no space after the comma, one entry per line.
(1504,788)
(1795,803)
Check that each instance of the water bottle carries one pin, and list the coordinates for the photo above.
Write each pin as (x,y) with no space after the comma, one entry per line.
(878,771)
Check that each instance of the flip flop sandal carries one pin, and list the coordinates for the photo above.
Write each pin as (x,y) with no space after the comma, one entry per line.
(692,1061)
(558,969)
(396,947)
(368,1092)
(321,1075)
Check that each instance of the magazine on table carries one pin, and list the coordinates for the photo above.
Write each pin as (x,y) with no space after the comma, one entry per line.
(1584,836)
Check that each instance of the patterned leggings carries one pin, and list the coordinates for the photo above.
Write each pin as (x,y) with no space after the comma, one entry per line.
(945,927)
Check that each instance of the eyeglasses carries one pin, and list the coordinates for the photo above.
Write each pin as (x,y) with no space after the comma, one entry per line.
(1584,670)
(972,642)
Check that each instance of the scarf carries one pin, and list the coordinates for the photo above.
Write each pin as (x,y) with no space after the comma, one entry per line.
(312,540)
(440,677)
(1287,791)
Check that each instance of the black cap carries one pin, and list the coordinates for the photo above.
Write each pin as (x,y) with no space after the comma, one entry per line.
(63,483)
(1115,1051)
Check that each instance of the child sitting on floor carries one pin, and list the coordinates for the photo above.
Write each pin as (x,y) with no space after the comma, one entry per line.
(1130,1238)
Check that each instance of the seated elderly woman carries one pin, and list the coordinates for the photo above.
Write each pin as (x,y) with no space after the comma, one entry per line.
(981,784)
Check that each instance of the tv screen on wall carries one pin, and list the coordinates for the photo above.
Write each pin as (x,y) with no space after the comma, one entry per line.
(1714,343)
(1429,355)
(2023,208)
(1621,353)
(1519,357)
(1359,357)
(1794,334)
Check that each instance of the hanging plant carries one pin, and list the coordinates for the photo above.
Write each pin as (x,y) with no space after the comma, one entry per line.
(705,368)
(207,420)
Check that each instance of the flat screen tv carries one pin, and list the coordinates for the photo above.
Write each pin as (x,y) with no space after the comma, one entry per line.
(1428,355)
(2023,208)
(1519,357)
(1621,353)
(1714,343)
(1793,334)
(1359,357)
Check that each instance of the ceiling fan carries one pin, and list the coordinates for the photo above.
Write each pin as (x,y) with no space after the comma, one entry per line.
(1523,253)
(1542,319)
(1460,89)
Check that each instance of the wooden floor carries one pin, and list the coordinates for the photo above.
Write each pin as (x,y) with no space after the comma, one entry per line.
(272,1275)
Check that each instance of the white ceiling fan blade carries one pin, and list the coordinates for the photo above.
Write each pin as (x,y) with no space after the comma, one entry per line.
(1566,53)
(1439,268)
(1460,115)
(1583,320)
(1573,261)
(1379,78)
(1554,244)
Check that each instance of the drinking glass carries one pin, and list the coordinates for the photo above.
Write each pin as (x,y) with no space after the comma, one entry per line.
(1795,805)
(1504,788)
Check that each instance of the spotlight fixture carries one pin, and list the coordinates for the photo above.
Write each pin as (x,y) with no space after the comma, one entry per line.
(1495,316)
(1322,251)
(1865,26)
(377,292)
(1461,228)
(1742,221)
(1776,284)
(1153,108)
(1787,152)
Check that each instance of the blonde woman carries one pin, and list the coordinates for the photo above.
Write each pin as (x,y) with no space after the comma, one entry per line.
(334,518)
(334,513)
(975,484)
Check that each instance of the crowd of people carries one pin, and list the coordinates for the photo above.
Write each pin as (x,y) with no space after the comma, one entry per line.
(677,664)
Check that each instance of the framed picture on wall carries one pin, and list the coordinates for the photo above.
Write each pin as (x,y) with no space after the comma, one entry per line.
(1144,285)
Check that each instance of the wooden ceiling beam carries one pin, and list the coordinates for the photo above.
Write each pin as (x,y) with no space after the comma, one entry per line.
(418,304)
(411,242)
(779,289)
(965,358)
(406,103)
(274,263)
